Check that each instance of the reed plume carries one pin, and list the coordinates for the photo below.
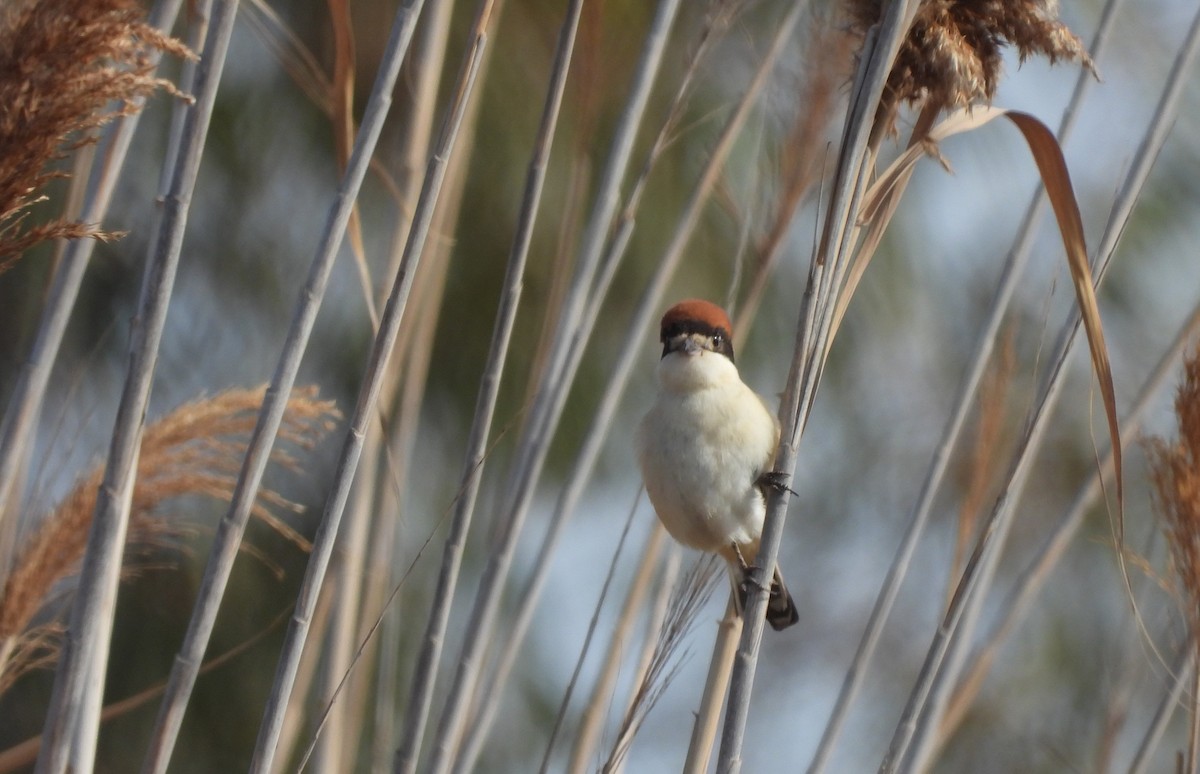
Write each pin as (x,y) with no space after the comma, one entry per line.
(66,68)
(951,57)
(689,597)
(1175,471)
(194,450)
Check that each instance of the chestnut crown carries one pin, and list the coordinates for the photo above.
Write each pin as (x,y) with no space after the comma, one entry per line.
(700,319)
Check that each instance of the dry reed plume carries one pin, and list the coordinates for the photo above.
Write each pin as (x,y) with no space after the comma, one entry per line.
(1176,476)
(1175,472)
(195,450)
(951,57)
(691,594)
(66,68)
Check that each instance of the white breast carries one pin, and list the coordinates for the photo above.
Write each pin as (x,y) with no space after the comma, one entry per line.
(701,449)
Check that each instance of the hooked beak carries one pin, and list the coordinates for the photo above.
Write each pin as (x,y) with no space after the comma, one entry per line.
(690,346)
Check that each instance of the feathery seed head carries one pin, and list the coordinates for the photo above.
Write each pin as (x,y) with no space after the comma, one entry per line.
(1175,472)
(951,55)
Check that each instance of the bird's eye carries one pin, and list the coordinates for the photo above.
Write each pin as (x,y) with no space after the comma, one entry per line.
(716,340)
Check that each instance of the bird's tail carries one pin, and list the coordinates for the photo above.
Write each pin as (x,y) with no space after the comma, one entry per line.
(781,610)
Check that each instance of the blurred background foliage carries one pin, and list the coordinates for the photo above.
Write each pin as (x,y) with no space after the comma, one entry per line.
(1076,682)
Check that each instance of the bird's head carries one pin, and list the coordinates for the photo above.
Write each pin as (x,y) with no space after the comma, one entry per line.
(697,341)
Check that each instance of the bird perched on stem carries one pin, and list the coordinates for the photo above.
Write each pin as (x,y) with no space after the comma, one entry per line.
(707,446)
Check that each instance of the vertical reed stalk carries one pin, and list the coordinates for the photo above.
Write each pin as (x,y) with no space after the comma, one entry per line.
(647,309)
(989,548)
(625,621)
(25,404)
(1182,668)
(72,724)
(812,346)
(985,342)
(384,496)
(424,674)
(704,730)
(389,326)
(591,724)
(229,531)
(547,404)
(1037,572)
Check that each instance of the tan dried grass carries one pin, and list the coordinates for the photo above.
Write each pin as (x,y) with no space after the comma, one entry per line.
(67,67)
(951,57)
(197,449)
(1175,472)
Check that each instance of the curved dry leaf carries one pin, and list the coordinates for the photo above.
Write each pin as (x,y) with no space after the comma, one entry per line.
(879,204)
(1057,180)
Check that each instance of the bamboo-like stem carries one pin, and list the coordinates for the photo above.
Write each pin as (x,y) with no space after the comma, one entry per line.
(1183,668)
(331,752)
(912,741)
(704,730)
(375,507)
(389,326)
(548,402)
(429,58)
(1194,724)
(1033,578)
(745,657)
(20,756)
(389,466)
(421,692)
(947,654)
(647,309)
(633,604)
(295,721)
(812,346)
(655,630)
(25,404)
(1152,141)
(72,724)
(591,724)
(229,530)
(1015,263)
(427,63)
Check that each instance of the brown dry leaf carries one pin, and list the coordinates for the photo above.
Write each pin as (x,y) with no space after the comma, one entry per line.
(297,60)
(342,99)
(879,204)
(1057,180)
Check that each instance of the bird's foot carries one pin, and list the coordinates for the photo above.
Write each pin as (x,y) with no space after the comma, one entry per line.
(749,583)
(737,552)
(777,481)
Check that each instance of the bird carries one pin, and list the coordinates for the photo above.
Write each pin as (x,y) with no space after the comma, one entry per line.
(706,448)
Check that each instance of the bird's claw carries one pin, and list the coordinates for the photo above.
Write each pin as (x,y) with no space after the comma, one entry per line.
(749,582)
(737,552)
(777,481)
